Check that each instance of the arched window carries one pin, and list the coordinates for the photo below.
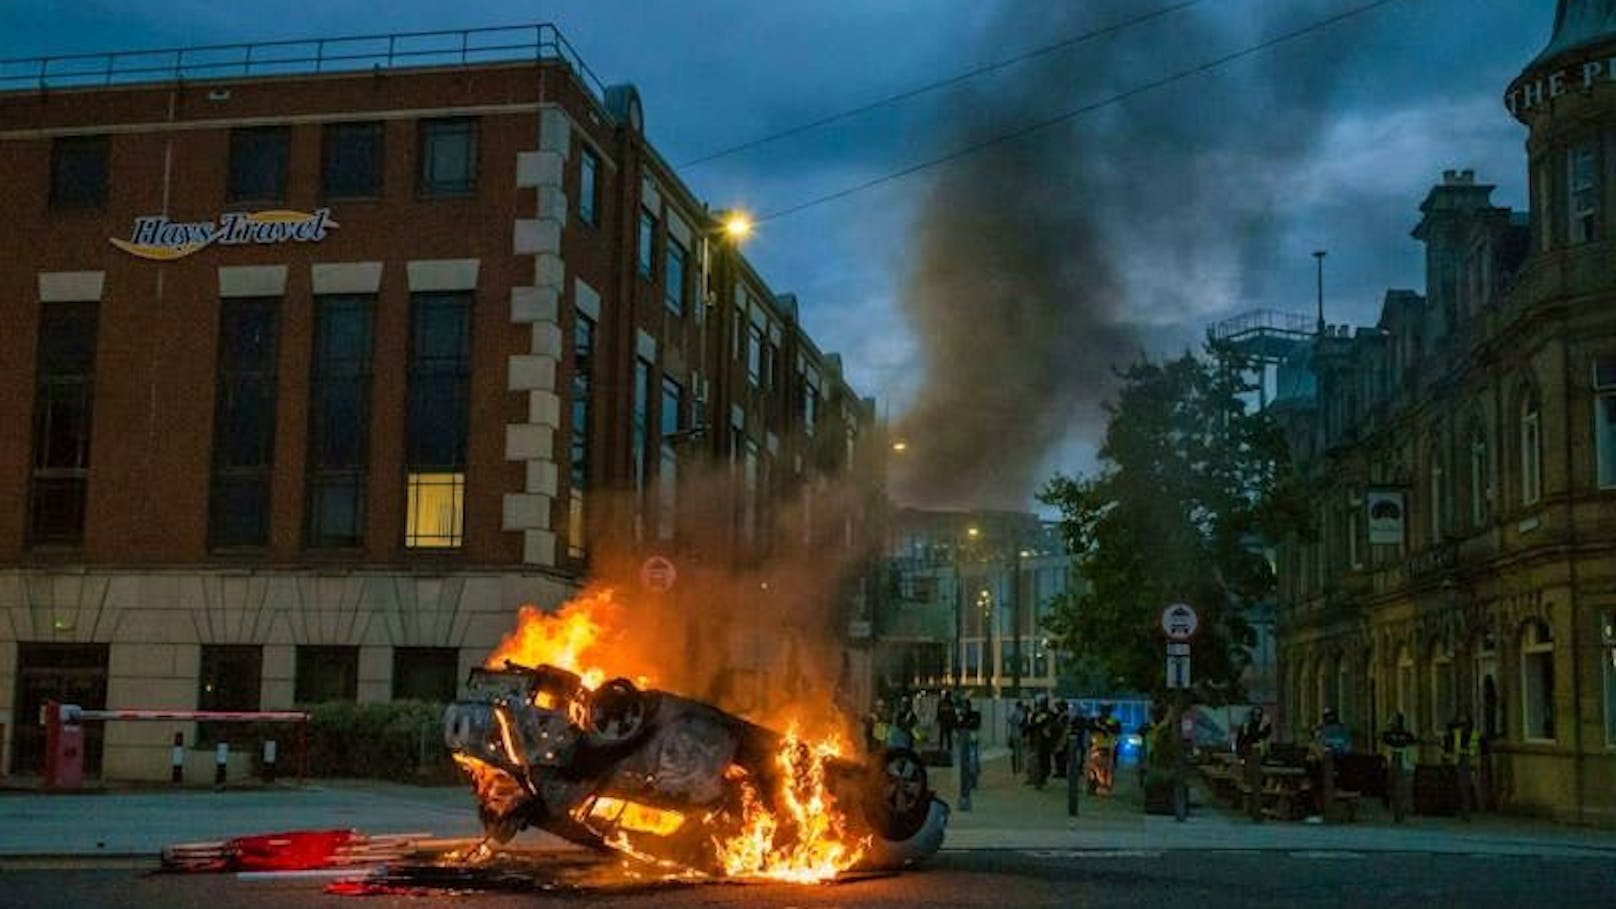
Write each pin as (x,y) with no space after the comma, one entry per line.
(1537,682)
(1489,709)
(1438,494)
(1442,678)
(1404,694)
(1481,477)
(1531,438)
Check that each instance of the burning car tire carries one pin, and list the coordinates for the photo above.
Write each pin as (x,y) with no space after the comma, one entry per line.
(902,799)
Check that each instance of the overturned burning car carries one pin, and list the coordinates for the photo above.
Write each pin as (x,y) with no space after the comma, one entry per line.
(677,781)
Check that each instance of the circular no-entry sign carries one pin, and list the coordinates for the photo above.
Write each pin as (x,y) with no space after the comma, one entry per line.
(658,574)
(1179,622)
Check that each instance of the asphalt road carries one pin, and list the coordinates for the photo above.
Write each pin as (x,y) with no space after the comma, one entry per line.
(999,879)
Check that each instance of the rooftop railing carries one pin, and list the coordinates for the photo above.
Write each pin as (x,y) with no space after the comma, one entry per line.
(362,53)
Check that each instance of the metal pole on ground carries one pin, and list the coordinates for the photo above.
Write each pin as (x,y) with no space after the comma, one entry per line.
(176,759)
(1075,771)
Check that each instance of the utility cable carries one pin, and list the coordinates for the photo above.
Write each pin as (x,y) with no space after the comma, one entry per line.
(934,86)
(1030,128)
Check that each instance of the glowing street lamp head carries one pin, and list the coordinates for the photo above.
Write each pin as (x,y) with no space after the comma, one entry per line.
(737,226)
(972,532)
(900,446)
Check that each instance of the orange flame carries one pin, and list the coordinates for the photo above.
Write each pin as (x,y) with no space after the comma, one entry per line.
(577,638)
(804,839)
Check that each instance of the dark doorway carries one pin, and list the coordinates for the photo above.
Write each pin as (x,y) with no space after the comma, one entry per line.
(1489,708)
(69,673)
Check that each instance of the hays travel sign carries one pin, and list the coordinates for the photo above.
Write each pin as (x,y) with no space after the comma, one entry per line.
(156,237)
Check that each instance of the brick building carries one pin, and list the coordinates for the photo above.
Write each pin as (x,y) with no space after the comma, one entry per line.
(322,357)
(1466,561)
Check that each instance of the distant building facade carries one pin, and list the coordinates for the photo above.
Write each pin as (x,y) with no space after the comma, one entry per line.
(1466,446)
(314,370)
(963,601)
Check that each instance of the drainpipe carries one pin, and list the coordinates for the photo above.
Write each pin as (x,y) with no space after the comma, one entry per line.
(1577,759)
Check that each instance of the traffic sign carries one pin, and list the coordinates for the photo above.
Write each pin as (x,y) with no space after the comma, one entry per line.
(1180,622)
(658,574)
(1178,672)
(1178,648)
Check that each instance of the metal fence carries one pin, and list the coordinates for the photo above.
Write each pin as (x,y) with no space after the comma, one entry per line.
(360,53)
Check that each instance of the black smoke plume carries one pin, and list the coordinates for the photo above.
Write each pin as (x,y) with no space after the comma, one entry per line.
(1042,262)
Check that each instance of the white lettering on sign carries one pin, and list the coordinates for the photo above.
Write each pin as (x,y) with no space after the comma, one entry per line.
(156,237)
(1528,94)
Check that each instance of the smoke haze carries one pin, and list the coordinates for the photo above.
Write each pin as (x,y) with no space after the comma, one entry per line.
(1042,263)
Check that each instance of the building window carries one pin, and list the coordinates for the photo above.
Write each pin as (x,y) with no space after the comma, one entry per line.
(79,173)
(638,440)
(243,423)
(1583,199)
(674,281)
(583,366)
(258,164)
(426,674)
(1481,486)
(754,354)
(352,161)
(1537,682)
(326,674)
(439,377)
(810,410)
(1443,705)
(339,420)
(448,157)
(647,244)
(588,184)
(64,394)
(1439,497)
(670,414)
(1354,549)
(1543,215)
(749,493)
(1605,419)
(1607,663)
(1531,452)
(230,679)
(1405,685)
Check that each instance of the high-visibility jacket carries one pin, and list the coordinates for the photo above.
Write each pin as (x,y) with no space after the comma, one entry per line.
(1461,743)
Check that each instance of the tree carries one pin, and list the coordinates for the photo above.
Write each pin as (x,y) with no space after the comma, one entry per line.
(1191,483)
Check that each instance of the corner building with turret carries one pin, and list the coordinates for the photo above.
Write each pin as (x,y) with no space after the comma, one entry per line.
(1466,446)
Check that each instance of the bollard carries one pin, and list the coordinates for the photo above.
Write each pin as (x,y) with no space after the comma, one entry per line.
(176,759)
(965,781)
(221,758)
(1076,771)
(269,760)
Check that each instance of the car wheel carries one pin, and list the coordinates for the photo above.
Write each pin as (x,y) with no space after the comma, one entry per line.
(617,712)
(904,798)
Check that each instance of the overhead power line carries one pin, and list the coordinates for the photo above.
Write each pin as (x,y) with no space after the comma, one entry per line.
(934,86)
(1062,117)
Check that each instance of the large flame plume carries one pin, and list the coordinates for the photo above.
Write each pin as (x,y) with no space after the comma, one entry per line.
(579,638)
(804,839)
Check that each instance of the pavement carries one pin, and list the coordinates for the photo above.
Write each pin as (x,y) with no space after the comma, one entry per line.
(1006,815)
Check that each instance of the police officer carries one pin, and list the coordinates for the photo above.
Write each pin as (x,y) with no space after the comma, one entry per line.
(1461,750)
(1251,744)
(1398,744)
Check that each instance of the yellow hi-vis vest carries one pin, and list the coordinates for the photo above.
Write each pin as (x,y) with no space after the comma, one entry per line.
(1462,744)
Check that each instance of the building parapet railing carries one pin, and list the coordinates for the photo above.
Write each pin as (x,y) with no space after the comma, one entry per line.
(348,54)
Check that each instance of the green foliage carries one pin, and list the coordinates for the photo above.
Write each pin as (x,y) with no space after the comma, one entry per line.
(1190,484)
(397,740)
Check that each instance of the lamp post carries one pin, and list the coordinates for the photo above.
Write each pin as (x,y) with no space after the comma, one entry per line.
(971,533)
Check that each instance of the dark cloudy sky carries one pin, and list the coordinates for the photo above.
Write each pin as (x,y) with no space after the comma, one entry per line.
(1205,197)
